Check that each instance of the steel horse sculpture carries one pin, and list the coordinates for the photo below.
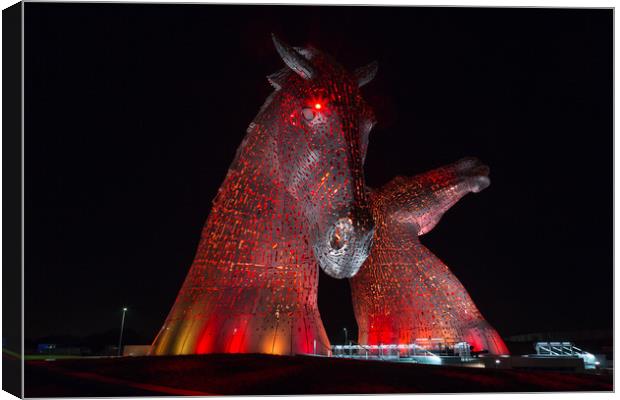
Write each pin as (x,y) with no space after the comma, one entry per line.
(403,292)
(294,195)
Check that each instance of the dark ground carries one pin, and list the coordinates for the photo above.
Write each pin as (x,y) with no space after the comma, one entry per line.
(251,374)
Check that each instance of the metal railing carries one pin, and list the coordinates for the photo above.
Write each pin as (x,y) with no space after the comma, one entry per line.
(565,349)
(423,348)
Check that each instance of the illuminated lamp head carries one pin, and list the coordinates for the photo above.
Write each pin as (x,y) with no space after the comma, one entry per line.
(323,125)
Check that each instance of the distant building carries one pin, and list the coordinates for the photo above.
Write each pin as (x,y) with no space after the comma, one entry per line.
(65,350)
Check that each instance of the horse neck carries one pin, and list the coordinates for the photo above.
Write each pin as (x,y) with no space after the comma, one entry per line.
(249,229)
(391,234)
(249,177)
(252,194)
(397,236)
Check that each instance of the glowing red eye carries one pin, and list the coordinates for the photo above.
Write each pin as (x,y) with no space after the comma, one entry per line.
(317,106)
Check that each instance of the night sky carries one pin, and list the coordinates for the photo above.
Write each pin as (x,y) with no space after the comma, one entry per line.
(133,114)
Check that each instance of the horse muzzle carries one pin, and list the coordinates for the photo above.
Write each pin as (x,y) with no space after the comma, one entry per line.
(345,246)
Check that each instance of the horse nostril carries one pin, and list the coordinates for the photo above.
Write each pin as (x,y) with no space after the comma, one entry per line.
(336,241)
(341,233)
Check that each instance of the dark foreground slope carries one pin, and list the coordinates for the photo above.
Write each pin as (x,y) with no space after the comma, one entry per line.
(247,374)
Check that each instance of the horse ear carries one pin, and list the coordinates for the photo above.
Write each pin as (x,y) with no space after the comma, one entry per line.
(278,78)
(365,74)
(293,59)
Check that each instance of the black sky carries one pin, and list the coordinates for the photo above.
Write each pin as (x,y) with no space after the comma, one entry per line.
(134,112)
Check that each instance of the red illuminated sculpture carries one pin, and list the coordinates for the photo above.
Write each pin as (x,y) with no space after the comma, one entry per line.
(293,196)
(403,293)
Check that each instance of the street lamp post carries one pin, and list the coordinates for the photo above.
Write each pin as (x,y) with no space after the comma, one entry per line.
(346,337)
(120,339)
